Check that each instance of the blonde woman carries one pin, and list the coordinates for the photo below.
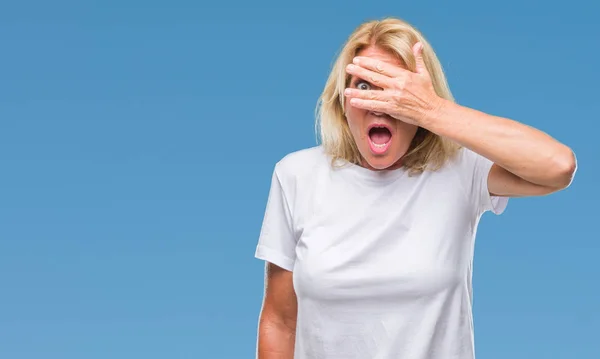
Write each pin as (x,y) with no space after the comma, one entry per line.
(369,236)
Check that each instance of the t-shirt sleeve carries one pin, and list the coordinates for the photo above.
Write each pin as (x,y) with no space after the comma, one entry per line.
(277,239)
(480,169)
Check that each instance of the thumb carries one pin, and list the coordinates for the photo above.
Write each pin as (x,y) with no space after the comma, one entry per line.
(420,63)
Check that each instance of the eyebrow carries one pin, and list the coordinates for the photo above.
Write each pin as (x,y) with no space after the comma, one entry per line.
(355,79)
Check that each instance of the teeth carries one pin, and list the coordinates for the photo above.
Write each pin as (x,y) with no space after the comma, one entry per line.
(379,145)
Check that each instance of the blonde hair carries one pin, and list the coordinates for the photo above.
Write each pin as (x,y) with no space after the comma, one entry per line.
(427,150)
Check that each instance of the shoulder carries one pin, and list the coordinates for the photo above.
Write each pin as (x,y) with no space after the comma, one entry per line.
(463,170)
(473,171)
(297,172)
(301,163)
(468,163)
(464,157)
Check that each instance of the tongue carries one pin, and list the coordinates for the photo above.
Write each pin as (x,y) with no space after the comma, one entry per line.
(380,135)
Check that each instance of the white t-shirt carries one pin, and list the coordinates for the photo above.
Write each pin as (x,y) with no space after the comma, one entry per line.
(382,262)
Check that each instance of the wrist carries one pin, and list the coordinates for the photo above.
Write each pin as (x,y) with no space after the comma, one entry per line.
(430,118)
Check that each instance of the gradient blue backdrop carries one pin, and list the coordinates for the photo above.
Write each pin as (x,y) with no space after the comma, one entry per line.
(137,140)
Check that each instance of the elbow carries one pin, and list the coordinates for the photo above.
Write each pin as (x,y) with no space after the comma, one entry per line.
(565,167)
(280,322)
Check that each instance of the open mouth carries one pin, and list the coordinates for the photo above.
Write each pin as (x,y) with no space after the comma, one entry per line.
(380,137)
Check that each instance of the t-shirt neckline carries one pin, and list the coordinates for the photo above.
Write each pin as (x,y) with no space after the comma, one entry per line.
(383,176)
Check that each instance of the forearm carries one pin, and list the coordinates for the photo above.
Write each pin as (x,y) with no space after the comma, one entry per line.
(520,149)
(275,340)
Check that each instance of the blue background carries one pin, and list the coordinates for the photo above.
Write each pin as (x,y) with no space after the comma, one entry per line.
(137,140)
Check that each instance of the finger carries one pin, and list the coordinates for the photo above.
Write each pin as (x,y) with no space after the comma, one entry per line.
(378,66)
(371,105)
(372,77)
(377,95)
(420,63)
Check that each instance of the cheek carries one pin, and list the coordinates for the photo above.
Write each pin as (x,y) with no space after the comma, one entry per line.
(405,133)
(355,127)
(355,118)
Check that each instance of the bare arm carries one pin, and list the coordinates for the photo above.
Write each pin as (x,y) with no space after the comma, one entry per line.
(277,323)
(527,161)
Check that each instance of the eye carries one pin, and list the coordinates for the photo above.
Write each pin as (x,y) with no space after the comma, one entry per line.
(363,85)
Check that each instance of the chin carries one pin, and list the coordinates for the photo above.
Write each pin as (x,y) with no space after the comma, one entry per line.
(380,163)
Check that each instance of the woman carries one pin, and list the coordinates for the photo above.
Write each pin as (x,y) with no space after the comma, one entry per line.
(369,237)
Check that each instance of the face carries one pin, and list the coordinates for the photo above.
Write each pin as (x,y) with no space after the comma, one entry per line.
(381,139)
